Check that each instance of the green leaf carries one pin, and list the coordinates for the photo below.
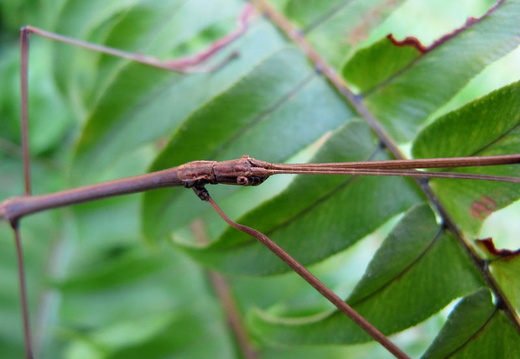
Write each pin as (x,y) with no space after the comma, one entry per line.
(363,72)
(488,126)
(476,329)
(151,337)
(404,102)
(122,269)
(506,270)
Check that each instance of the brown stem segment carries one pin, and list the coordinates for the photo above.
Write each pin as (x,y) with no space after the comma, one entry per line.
(308,277)
(23,290)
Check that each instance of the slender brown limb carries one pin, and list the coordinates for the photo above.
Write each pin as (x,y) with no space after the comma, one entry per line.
(190,61)
(189,64)
(307,276)
(23,290)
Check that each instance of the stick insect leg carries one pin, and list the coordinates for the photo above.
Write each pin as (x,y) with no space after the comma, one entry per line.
(189,64)
(23,290)
(303,272)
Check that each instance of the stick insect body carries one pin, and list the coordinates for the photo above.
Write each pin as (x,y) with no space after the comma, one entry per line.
(245,171)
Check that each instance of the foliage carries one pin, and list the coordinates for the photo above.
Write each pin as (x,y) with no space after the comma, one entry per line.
(128,277)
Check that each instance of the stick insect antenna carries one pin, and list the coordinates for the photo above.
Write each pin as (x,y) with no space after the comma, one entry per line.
(307,276)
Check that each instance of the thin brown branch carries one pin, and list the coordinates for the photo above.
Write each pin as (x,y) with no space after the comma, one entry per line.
(308,277)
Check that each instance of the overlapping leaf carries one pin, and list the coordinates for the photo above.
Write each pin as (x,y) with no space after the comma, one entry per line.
(361,70)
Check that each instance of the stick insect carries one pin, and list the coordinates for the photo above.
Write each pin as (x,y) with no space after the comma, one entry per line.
(244,171)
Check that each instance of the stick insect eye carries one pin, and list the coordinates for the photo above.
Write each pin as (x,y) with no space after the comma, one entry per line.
(242,180)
